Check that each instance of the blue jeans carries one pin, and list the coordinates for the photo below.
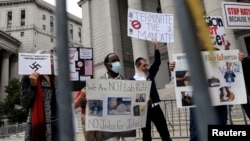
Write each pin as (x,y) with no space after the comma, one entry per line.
(221,111)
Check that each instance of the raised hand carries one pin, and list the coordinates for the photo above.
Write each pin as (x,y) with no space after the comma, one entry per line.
(154,43)
(171,65)
(33,78)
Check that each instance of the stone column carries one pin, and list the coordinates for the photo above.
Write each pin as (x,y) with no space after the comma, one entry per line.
(139,46)
(4,74)
(168,7)
(86,24)
(213,8)
(14,66)
(111,29)
(176,47)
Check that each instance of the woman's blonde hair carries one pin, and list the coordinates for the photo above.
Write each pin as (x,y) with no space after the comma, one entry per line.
(42,51)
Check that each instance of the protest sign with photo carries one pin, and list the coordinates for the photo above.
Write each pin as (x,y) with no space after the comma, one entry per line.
(30,62)
(224,78)
(149,25)
(80,66)
(116,105)
(236,15)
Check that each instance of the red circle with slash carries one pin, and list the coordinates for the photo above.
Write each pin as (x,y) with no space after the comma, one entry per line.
(79,64)
(136,24)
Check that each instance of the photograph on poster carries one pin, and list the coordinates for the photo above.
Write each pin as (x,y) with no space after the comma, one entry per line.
(182,78)
(139,110)
(140,97)
(95,107)
(119,106)
(229,75)
(213,81)
(187,98)
(226,94)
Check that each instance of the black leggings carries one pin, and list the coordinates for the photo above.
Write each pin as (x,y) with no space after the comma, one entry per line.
(54,130)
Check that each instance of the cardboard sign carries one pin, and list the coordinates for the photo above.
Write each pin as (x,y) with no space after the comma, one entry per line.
(116,105)
(148,26)
(225,79)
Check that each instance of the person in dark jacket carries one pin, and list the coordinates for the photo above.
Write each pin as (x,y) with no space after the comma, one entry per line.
(39,96)
(154,113)
(246,70)
(113,66)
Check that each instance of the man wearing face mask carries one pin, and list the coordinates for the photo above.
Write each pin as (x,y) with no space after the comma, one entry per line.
(113,66)
(154,114)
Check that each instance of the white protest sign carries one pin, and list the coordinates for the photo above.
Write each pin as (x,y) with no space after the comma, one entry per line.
(30,62)
(225,79)
(236,15)
(116,105)
(216,31)
(148,26)
(86,53)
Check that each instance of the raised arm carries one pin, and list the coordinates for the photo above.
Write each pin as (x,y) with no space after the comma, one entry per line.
(157,60)
(80,100)
(28,92)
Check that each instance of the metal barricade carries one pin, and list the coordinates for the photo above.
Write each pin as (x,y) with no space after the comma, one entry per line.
(9,130)
(178,120)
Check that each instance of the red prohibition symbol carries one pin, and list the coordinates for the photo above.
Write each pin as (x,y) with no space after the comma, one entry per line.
(79,64)
(136,24)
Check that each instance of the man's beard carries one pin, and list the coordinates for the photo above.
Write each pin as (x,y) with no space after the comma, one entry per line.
(140,75)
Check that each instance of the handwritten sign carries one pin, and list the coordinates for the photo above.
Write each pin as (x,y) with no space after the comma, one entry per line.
(116,105)
(216,31)
(148,26)
(236,15)
(225,79)
(30,62)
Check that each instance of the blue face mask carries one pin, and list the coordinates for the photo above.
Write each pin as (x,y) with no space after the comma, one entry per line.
(116,67)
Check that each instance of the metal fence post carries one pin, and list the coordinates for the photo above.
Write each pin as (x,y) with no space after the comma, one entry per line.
(16,128)
(64,85)
(192,49)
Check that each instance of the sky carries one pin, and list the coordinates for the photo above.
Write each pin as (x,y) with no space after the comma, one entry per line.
(72,7)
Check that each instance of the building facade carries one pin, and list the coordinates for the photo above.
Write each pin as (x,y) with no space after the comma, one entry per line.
(105,30)
(30,26)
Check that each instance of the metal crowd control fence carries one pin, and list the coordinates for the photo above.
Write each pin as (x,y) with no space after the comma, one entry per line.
(9,130)
(177,120)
